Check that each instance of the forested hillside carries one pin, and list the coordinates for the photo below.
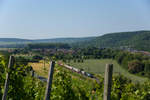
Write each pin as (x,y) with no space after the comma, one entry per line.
(20,43)
(64,40)
(137,40)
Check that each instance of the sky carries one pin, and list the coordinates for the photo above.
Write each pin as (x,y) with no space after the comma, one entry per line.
(39,19)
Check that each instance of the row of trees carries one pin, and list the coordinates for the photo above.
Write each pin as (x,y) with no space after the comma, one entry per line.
(48,46)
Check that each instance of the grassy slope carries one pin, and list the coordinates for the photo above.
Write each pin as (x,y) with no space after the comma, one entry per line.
(98,67)
(39,68)
(76,78)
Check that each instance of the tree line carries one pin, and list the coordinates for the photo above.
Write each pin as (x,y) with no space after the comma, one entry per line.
(48,46)
(135,63)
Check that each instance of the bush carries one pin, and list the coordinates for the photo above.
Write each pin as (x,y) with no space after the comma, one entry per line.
(135,66)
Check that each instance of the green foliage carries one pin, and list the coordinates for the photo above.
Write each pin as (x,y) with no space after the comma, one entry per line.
(2,75)
(124,89)
(135,66)
(119,57)
(37,57)
(48,46)
(21,85)
(147,65)
(62,87)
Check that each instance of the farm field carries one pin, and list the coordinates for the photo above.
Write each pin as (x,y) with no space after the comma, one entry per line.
(97,66)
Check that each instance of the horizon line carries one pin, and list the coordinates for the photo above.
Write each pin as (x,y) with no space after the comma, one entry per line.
(72,37)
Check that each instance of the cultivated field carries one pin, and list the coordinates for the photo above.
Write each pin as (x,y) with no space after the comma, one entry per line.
(98,67)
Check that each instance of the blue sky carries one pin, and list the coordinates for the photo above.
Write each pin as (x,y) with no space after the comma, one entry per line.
(36,19)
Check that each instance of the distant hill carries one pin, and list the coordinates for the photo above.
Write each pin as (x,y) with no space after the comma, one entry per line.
(137,40)
(55,40)
(63,40)
(15,42)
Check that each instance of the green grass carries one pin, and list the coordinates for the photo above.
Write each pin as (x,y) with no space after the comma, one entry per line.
(78,79)
(97,66)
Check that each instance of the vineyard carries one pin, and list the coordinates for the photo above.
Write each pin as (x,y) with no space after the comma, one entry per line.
(67,85)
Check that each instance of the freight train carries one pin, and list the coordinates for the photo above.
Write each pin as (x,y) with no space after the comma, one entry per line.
(76,70)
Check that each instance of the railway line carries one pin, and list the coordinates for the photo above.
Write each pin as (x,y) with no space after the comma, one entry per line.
(71,68)
(86,74)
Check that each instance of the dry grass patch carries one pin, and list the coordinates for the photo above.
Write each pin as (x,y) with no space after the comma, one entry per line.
(40,69)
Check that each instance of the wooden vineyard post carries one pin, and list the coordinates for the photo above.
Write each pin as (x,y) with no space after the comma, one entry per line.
(32,73)
(44,63)
(10,64)
(49,81)
(108,81)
